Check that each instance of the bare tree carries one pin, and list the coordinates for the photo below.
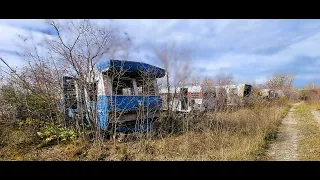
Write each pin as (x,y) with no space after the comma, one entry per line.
(283,82)
(310,86)
(177,62)
(73,50)
(208,84)
(209,94)
(280,81)
(222,79)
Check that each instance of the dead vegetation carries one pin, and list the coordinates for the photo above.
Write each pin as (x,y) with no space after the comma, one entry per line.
(309,142)
(239,135)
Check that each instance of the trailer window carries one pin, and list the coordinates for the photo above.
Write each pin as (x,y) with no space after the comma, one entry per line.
(195,95)
(233,91)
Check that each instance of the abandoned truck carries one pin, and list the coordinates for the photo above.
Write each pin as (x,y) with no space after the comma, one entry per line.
(123,93)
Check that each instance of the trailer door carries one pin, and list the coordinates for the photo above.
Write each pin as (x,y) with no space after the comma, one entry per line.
(184,98)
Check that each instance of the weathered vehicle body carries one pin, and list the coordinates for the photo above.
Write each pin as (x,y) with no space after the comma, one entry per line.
(279,93)
(182,99)
(121,92)
(230,95)
(267,93)
(236,93)
(271,94)
(189,98)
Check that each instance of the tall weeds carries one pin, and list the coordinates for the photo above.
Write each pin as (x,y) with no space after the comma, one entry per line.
(240,134)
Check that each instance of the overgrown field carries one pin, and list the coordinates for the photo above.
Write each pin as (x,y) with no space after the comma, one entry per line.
(237,135)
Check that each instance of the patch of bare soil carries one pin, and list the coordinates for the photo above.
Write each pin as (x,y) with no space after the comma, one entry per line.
(316,116)
(285,147)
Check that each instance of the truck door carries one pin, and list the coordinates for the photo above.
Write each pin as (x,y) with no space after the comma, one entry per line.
(247,90)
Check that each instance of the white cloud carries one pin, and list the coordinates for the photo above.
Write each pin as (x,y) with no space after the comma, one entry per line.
(9,37)
(262,62)
(25,23)
(10,40)
(14,61)
(255,45)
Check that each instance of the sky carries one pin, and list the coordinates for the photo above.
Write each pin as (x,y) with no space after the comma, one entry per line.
(252,50)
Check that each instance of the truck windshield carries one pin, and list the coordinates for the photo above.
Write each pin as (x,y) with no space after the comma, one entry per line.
(123,86)
(146,87)
(129,86)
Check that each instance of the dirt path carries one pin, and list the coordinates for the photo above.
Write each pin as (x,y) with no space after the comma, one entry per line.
(286,145)
(316,116)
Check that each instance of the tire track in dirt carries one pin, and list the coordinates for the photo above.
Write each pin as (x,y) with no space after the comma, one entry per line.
(285,147)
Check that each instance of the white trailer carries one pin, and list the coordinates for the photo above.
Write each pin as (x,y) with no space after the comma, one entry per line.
(188,98)
(230,95)
(182,99)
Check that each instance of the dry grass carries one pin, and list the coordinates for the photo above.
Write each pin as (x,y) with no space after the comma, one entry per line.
(309,142)
(315,105)
(239,135)
(15,142)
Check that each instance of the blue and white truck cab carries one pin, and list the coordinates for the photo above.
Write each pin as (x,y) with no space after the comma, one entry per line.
(124,93)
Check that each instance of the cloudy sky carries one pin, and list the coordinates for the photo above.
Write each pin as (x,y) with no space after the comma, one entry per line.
(252,50)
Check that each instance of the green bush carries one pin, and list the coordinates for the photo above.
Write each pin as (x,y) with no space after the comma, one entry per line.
(55,135)
(36,124)
(40,105)
(29,105)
